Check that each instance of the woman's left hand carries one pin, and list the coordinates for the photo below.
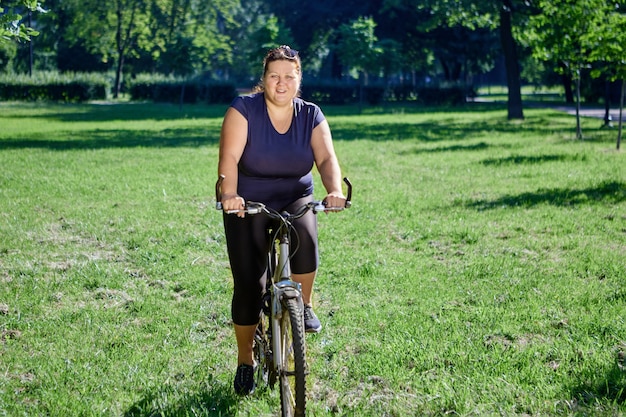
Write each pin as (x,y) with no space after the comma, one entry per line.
(335,201)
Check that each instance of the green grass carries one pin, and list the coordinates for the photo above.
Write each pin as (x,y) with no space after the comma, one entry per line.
(479,272)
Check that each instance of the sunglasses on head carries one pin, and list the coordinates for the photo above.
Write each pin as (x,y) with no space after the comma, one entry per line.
(283,51)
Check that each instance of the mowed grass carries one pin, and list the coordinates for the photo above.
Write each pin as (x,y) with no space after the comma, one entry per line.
(480,271)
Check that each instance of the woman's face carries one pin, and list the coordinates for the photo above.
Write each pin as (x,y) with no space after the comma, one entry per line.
(281,81)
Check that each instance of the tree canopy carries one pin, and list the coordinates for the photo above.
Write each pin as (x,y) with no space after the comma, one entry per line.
(12,26)
(389,41)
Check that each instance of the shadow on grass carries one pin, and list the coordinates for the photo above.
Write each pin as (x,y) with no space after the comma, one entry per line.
(137,111)
(214,400)
(481,146)
(106,139)
(447,127)
(428,131)
(526,160)
(606,192)
(209,135)
(607,390)
(109,112)
(434,125)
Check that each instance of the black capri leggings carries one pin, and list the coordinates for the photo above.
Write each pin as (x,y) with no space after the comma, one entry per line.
(248,241)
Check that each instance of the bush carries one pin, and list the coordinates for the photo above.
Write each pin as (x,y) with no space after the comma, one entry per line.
(438,96)
(51,86)
(331,93)
(161,88)
(374,94)
(402,92)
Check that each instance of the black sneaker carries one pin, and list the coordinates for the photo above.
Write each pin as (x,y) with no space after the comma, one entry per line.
(311,322)
(244,380)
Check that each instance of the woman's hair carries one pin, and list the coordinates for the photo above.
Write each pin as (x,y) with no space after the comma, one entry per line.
(282,53)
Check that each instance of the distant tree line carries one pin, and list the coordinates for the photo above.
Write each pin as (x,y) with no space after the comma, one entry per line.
(393,42)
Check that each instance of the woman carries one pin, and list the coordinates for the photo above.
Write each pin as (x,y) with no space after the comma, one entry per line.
(269,143)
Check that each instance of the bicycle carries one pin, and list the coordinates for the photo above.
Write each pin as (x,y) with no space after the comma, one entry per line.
(279,344)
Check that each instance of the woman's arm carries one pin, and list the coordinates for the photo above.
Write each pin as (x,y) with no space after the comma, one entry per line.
(327,164)
(232,142)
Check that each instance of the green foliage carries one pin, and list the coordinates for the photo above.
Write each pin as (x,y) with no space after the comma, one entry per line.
(52,86)
(7,54)
(176,89)
(440,96)
(606,41)
(12,26)
(357,46)
(258,31)
(330,92)
(557,32)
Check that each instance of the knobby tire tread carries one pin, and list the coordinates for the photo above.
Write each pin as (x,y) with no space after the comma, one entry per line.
(293,313)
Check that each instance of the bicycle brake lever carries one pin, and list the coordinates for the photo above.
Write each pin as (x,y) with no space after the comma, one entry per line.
(320,206)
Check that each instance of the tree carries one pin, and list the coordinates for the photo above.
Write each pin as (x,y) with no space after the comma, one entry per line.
(115,30)
(12,26)
(462,52)
(511,60)
(358,51)
(258,30)
(606,42)
(557,35)
(314,26)
(357,47)
(504,15)
(414,49)
(189,36)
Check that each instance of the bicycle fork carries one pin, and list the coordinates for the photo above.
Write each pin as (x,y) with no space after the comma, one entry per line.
(283,288)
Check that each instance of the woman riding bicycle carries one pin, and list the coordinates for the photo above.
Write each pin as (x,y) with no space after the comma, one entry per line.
(268,145)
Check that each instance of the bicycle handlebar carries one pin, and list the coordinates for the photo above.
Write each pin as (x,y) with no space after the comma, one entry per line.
(255,208)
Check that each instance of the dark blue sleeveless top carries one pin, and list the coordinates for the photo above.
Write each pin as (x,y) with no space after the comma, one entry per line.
(275,169)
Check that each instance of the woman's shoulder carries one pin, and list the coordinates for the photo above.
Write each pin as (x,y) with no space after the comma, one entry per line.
(308,107)
(247,103)
(249,98)
(298,101)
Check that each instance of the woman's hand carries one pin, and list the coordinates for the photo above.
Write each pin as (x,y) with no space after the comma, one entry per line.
(335,200)
(233,202)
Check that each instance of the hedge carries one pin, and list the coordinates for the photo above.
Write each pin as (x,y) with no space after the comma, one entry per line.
(54,87)
(160,88)
(173,90)
(438,96)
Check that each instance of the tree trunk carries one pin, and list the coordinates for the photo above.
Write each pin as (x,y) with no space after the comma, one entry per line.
(123,41)
(579,132)
(567,85)
(118,75)
(621,107)
(607,104)
(511,62)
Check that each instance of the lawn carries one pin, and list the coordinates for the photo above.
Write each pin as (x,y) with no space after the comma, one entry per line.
(479,272)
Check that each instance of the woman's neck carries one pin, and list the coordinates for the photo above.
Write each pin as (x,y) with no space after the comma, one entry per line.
(280,116)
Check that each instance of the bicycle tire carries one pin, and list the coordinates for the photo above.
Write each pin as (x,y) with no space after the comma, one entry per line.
(293,360)
(262,356)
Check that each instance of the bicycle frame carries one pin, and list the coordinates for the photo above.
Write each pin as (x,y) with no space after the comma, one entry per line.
(282,288)
(282,291)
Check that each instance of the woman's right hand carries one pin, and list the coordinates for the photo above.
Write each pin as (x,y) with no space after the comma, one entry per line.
(233,202)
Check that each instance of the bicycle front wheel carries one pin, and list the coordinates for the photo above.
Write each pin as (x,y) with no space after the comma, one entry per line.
(293,360)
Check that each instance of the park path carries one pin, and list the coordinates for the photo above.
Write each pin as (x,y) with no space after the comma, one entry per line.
(593,112)
(596,112)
